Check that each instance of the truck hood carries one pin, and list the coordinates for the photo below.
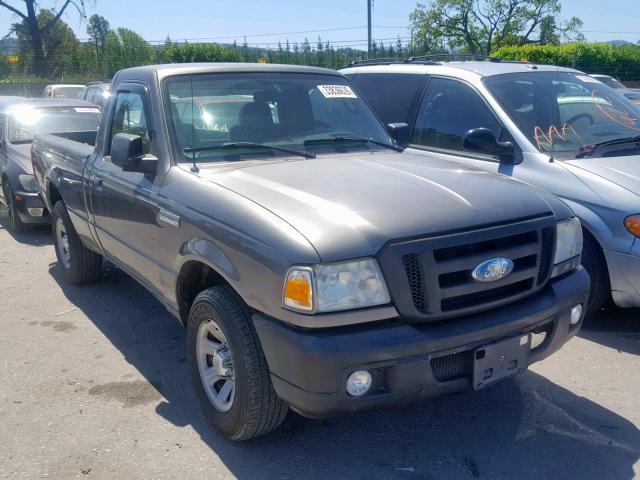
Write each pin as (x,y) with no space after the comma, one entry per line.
(351,205)
(623,171)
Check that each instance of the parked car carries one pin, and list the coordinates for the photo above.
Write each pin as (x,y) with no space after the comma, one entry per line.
(95,92)
(555,128)
(632,94)
(20,120)
(61,91)
(315,266)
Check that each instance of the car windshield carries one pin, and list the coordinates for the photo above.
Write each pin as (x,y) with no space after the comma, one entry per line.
(66,92)
(301,112)
(25,121)
(560,112)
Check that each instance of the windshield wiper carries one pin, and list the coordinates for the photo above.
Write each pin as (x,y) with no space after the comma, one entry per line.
(345,140)
(588,149)
(234,145)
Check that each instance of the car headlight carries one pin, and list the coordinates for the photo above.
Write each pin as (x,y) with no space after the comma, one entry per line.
(28,182)
(335,286)
(568,247)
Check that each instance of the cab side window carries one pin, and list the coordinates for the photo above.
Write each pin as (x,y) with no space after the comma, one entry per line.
(129,116)
(448,111)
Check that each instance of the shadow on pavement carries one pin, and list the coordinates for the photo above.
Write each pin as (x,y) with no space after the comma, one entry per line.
(523,428)
(38,236)
(615,328)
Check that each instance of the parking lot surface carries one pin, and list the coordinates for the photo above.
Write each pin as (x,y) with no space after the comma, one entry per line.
(94,384)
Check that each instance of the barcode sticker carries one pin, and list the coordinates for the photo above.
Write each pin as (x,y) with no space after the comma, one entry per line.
(337,91)
(87,110)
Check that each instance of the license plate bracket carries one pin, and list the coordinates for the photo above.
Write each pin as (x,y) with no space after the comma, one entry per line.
(500,360)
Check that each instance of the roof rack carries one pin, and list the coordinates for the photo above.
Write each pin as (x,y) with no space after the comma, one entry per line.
(388,61)
(453,56)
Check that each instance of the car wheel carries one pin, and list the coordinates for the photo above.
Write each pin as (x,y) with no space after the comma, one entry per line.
(77,262)
(15,223)
(228,367)
(596,265)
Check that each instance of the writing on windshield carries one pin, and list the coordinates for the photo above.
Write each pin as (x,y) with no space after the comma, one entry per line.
(552,134)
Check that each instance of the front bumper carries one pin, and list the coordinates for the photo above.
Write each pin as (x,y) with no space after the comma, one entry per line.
(309,368)
(30,208)
(624,275)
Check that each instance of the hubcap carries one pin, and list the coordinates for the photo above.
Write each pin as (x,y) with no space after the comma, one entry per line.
(62,242)
(215,365)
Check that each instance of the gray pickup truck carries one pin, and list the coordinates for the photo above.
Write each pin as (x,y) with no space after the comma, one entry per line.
(315,265)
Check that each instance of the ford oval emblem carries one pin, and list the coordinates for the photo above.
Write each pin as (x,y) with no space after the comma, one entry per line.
(492,270)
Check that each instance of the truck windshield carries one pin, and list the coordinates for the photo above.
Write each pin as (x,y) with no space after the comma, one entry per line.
(301,112)
(25,121)
(562,112)
(66,92)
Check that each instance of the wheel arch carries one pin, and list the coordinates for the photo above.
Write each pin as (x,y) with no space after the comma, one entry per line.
(202,265)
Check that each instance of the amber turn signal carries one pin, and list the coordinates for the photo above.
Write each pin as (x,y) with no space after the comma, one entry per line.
(632,222)
(298,290)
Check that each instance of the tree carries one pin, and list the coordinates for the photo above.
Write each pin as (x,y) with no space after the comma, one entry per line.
(480,26)
(57,42)
(32,26)
(125,48)
(98,28)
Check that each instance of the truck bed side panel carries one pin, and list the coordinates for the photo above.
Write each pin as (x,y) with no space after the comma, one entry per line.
(61,163)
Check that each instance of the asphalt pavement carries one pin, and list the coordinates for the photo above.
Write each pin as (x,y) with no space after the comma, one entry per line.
(94,384)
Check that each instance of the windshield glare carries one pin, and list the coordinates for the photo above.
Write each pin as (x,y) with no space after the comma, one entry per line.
(283,110)
(25,121)
(561,112)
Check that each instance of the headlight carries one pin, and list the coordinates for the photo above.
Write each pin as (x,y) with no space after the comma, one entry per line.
(28,182)
(568,240)
(335,286)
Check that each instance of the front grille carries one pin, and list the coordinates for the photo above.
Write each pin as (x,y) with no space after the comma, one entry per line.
(414,275)
(452,366)
(437,279)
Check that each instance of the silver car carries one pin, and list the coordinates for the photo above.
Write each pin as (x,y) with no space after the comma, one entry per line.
(555,128)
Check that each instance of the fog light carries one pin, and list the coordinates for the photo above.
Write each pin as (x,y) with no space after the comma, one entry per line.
(359,383)
(576,314)
(35,212)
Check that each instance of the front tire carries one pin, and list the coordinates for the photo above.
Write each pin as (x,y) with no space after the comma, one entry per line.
(229,370)
(77,262)
(596,265)
(15,222)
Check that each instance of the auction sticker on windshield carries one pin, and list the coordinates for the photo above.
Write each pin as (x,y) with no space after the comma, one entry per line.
(587,79)
(337,91)
(87,110)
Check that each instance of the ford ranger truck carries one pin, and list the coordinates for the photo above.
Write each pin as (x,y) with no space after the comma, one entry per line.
(315,265)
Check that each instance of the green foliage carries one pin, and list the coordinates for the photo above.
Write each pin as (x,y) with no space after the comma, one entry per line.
(198,52)
(480,26)
(622,62)
(125,48)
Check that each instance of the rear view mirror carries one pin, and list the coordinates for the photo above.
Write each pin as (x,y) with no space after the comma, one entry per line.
(483,140)
(399,132)
(127,153)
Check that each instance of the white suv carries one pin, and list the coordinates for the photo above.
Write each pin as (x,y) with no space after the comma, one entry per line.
(553,127)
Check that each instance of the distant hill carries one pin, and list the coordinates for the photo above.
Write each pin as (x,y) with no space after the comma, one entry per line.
(618,43)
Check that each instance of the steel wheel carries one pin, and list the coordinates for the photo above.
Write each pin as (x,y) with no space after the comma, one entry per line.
(215,365)
(62,243)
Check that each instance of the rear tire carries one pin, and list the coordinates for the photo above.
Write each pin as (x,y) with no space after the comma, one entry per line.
(15,223)
(222,321)
(77,262)
(595,263)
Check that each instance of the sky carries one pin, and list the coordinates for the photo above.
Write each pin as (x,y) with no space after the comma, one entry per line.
(343,22)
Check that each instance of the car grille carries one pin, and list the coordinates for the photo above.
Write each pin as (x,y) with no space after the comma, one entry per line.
(431,278)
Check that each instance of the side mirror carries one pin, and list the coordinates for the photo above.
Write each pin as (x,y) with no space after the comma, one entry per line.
(399,132)
(483,140)
(127,153)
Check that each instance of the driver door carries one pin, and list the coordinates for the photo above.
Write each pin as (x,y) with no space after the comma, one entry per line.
(124,203)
